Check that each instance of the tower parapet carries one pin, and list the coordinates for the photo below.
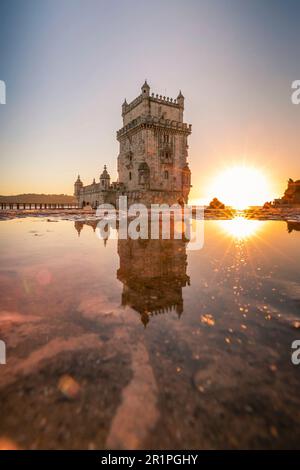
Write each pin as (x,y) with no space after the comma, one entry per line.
(155,121)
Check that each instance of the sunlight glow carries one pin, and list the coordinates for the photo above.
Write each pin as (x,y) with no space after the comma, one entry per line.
(241,186)
(241,228)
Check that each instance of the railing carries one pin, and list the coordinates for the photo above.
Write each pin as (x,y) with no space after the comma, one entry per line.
(36,206)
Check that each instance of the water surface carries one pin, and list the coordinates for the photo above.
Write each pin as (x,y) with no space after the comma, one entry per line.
(145,344)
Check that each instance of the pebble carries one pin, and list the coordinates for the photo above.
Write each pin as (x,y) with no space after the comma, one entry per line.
(69,387)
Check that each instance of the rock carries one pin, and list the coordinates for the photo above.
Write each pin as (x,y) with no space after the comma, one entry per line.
(69,387)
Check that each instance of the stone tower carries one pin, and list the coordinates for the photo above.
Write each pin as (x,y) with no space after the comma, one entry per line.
(152,160)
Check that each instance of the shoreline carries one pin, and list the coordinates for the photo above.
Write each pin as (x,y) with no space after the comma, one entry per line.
(286,214)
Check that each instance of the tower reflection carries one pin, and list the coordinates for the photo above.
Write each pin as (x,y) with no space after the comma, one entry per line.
(78,224)
(153,273)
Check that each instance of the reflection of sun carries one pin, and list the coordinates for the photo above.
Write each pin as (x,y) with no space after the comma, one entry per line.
(241,228)
(241,186)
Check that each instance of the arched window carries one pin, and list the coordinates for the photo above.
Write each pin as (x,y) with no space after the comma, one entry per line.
(166,175)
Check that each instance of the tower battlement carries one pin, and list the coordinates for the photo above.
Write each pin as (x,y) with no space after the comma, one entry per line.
(156,98)
(155,122)
(156,105)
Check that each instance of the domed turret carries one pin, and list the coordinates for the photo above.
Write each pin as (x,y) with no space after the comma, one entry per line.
(104,179)
(77,186)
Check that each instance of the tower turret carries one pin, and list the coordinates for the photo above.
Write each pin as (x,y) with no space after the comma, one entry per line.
(180,99)
(124,107)
(77,187)
(145,90)
(104,179)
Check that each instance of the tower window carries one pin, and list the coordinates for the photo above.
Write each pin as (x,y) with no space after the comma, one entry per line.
(166,175)
(130,176)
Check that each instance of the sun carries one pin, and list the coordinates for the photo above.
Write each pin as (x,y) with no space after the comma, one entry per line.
(241,187)
(240,228)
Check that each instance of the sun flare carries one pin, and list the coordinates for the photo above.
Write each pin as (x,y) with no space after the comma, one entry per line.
(241,187)
(241,228)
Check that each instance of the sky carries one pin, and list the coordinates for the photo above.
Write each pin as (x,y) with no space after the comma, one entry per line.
(69,64)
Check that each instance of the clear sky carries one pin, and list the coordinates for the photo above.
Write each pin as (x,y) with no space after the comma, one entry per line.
(69,64)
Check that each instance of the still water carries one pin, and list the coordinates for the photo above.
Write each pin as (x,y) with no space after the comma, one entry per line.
(145,344)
